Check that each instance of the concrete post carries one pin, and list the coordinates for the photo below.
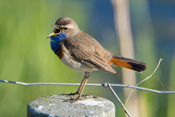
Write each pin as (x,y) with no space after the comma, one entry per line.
(55,106)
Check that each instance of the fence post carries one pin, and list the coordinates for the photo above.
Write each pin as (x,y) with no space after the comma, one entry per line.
(55,106)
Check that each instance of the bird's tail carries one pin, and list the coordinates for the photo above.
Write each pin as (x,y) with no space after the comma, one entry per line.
(128,63)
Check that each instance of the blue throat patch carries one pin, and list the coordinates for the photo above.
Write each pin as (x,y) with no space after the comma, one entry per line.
(56,40)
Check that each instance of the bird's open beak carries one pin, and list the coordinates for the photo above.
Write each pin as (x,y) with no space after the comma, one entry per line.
(56,31)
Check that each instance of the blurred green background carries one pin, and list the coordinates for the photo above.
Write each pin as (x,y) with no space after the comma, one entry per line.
(26,56)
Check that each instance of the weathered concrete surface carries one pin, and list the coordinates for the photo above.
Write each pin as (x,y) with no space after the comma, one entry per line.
(55,106)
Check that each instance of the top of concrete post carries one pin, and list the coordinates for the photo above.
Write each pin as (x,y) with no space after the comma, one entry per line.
(55,106)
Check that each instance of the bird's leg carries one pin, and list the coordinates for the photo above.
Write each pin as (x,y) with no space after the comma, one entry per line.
(78,91)
(82,86)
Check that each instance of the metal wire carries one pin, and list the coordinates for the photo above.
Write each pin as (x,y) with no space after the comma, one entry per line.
(90,84)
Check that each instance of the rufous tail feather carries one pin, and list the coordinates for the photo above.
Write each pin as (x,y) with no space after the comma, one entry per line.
(128,63)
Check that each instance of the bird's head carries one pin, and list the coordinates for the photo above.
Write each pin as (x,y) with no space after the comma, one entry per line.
(65,25)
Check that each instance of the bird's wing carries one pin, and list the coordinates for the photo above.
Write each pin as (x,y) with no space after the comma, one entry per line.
(86,53)
(91,59)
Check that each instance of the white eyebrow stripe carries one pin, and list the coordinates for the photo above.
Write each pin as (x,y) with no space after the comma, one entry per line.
(68,26)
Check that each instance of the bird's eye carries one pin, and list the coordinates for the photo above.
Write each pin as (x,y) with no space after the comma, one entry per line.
(65,28)
(57,31)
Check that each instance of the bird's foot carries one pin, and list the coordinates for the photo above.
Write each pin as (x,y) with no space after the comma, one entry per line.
(71,94)
(72,99)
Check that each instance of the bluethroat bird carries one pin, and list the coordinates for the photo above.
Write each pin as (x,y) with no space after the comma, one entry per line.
(79,51)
